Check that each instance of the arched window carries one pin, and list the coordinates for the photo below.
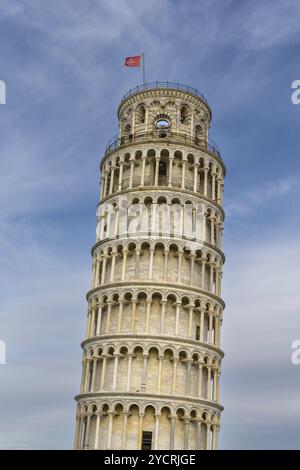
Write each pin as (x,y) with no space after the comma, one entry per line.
(140,114)
(162,124)
(162,169)
(184,114)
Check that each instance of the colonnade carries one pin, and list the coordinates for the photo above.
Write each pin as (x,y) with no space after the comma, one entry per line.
(146,216)
(183,375)
(160,167)
(169,429)
(139,313)
(173,263)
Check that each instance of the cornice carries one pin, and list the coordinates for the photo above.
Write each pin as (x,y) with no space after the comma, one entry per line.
(171,399)
(155,285)
(163,189)
(148,338)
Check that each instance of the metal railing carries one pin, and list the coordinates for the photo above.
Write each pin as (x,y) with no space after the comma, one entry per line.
(170,85)
(116,142)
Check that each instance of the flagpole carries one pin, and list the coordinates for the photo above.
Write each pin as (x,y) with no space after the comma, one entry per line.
(144,80)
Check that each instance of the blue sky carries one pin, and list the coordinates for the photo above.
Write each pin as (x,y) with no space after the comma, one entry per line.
(63,67)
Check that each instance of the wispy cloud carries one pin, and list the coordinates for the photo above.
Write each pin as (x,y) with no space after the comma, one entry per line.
(245,202)
(62,63)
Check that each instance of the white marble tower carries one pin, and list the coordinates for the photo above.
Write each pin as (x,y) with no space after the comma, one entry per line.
(151,355)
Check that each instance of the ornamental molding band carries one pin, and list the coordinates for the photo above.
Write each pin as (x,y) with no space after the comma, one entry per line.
(152,358)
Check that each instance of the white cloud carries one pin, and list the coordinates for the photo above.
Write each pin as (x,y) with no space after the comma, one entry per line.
(245,202)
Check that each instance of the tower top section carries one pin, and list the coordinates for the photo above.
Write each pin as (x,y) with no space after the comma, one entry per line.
(164,110)
(164,105)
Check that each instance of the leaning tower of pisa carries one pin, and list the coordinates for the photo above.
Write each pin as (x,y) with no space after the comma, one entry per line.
(151,355)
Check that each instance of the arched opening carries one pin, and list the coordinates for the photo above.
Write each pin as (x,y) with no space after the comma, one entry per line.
(184,114)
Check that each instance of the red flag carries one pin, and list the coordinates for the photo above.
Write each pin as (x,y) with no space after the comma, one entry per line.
(134,61)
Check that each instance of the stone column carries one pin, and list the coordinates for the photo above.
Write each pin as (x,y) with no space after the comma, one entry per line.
(196,166)
(203,263)
(109,305)
(191,312)
(105,172)
(120,176)
(121,305)
(104,258)
(151,262)
(81,433)
(113,264)
(87,432)
(172,434)
(219,192)
(156,170)
(131,173)
(110,425)
(148,311)
(143,171)
(175,361)
(115,375)
(217,285)
(94,369)
(129,372)
(156,435)
(192,258)
(178,304)
(217,330)
(140,434)
(111,186)
(166,254)
(88,323)
(137,263)
(133,315)
(210,327)
(144,373)
(87,372)
(162,316)
(180,254)
(77,431)
(198,446)
(206,170)
(125,253)
(216,430)
(183,174)
(92,323)
(208,392)
(211,276)
(103,372)
(171,159)
(146,118)
(208,436)
(204,226)
(96,279)
(213,186)
(218,385)
(212,230)
(102,187)
(96,443)
(160,361)
(200,381)
(215,391)
(124,431)
(202,315)
(117,218)
(102,225)
(186,433)
(99,320)
(188,377)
